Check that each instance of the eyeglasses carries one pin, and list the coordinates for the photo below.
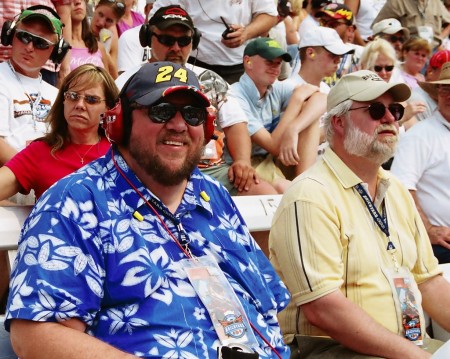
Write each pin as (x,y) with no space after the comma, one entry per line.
(168,40)
(377,110)
(332,23)
(164,112)
(119,4)
(26,37)
(73,96)
(387,68)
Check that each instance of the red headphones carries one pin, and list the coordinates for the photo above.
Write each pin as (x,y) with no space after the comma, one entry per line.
(113,124)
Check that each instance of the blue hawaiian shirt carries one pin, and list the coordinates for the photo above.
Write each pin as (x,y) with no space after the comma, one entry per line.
(83,255)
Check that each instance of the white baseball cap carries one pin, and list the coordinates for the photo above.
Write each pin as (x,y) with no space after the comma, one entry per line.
(389,26)
(326,37)
(365,85)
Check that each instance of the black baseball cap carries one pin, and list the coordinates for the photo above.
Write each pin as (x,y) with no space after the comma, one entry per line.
(170,15)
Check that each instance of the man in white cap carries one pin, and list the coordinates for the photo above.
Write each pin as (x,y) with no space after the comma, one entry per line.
(392,31)
(348,240)
(320,51)
(422,163)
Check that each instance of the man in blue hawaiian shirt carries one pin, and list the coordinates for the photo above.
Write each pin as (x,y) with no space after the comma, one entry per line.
(129,256)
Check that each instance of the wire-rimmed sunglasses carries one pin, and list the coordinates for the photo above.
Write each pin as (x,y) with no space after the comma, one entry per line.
(89,99)
(168,40)
(26,37)
(387,68)
(377,110)
(164,112)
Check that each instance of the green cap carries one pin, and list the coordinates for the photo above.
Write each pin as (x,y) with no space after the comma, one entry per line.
(267,48)
(55,24)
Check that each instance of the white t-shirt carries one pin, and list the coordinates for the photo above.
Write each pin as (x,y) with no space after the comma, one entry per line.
(206,17)
(422,163)
(24,106)
(130,52)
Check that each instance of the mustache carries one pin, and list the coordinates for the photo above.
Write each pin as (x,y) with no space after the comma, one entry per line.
(386,128)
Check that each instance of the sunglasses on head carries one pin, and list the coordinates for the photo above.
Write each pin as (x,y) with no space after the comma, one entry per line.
(119,4)
(168,40)
(377,110)
(73,96)
(387,68)
(164,112)
(332,23)
(26,37)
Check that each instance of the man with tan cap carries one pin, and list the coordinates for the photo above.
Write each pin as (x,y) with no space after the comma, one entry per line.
(391,30)
(422,163)
(349,243)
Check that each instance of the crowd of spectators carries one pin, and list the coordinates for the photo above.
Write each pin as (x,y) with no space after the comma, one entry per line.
(286,87)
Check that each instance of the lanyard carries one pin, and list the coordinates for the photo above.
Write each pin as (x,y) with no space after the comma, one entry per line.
(154,203)
(151,203)
(380,219)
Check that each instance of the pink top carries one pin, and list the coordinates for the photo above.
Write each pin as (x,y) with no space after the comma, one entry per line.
(81,56)
(137,18)
(36,168)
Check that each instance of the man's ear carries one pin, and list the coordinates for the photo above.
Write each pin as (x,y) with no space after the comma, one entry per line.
(338,123)
(248,62)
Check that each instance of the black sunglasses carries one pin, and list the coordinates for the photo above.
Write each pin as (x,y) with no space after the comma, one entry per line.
(387,68)
(75,97)
(377,110)
(393,38)
(164,112)
(168,40)
(26,37)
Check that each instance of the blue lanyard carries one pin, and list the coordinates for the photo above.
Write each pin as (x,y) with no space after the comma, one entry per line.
(380,219)
(156,203)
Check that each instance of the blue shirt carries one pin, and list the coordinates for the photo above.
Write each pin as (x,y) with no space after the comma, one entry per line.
(262,112)
(83,255)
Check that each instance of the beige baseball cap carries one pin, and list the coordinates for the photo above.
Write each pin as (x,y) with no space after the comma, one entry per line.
(365,85)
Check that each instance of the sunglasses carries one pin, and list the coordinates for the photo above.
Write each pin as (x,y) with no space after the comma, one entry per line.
(393,38)
(332,23)
(119,4)
(26,37)
(75,97)
(387,68)
(164,112)
(168,40)
(377,110)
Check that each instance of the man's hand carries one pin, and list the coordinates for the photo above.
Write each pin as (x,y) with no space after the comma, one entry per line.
(439,235)
(235,38)
(288,149)
(242,175)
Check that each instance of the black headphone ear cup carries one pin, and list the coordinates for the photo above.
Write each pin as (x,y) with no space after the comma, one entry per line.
(196,38)
(59,51)
(7,34)
(210,124)
(112,123)
(145,35)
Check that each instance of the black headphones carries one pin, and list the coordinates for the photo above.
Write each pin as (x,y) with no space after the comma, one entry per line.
(9,29)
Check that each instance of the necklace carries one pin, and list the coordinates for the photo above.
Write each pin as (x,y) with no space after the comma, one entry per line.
(422,7)
(33,103)
(84,155)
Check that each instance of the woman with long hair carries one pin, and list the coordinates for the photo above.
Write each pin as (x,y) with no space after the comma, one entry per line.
(86,49)
(103,25)
(75,136)
(130,19)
